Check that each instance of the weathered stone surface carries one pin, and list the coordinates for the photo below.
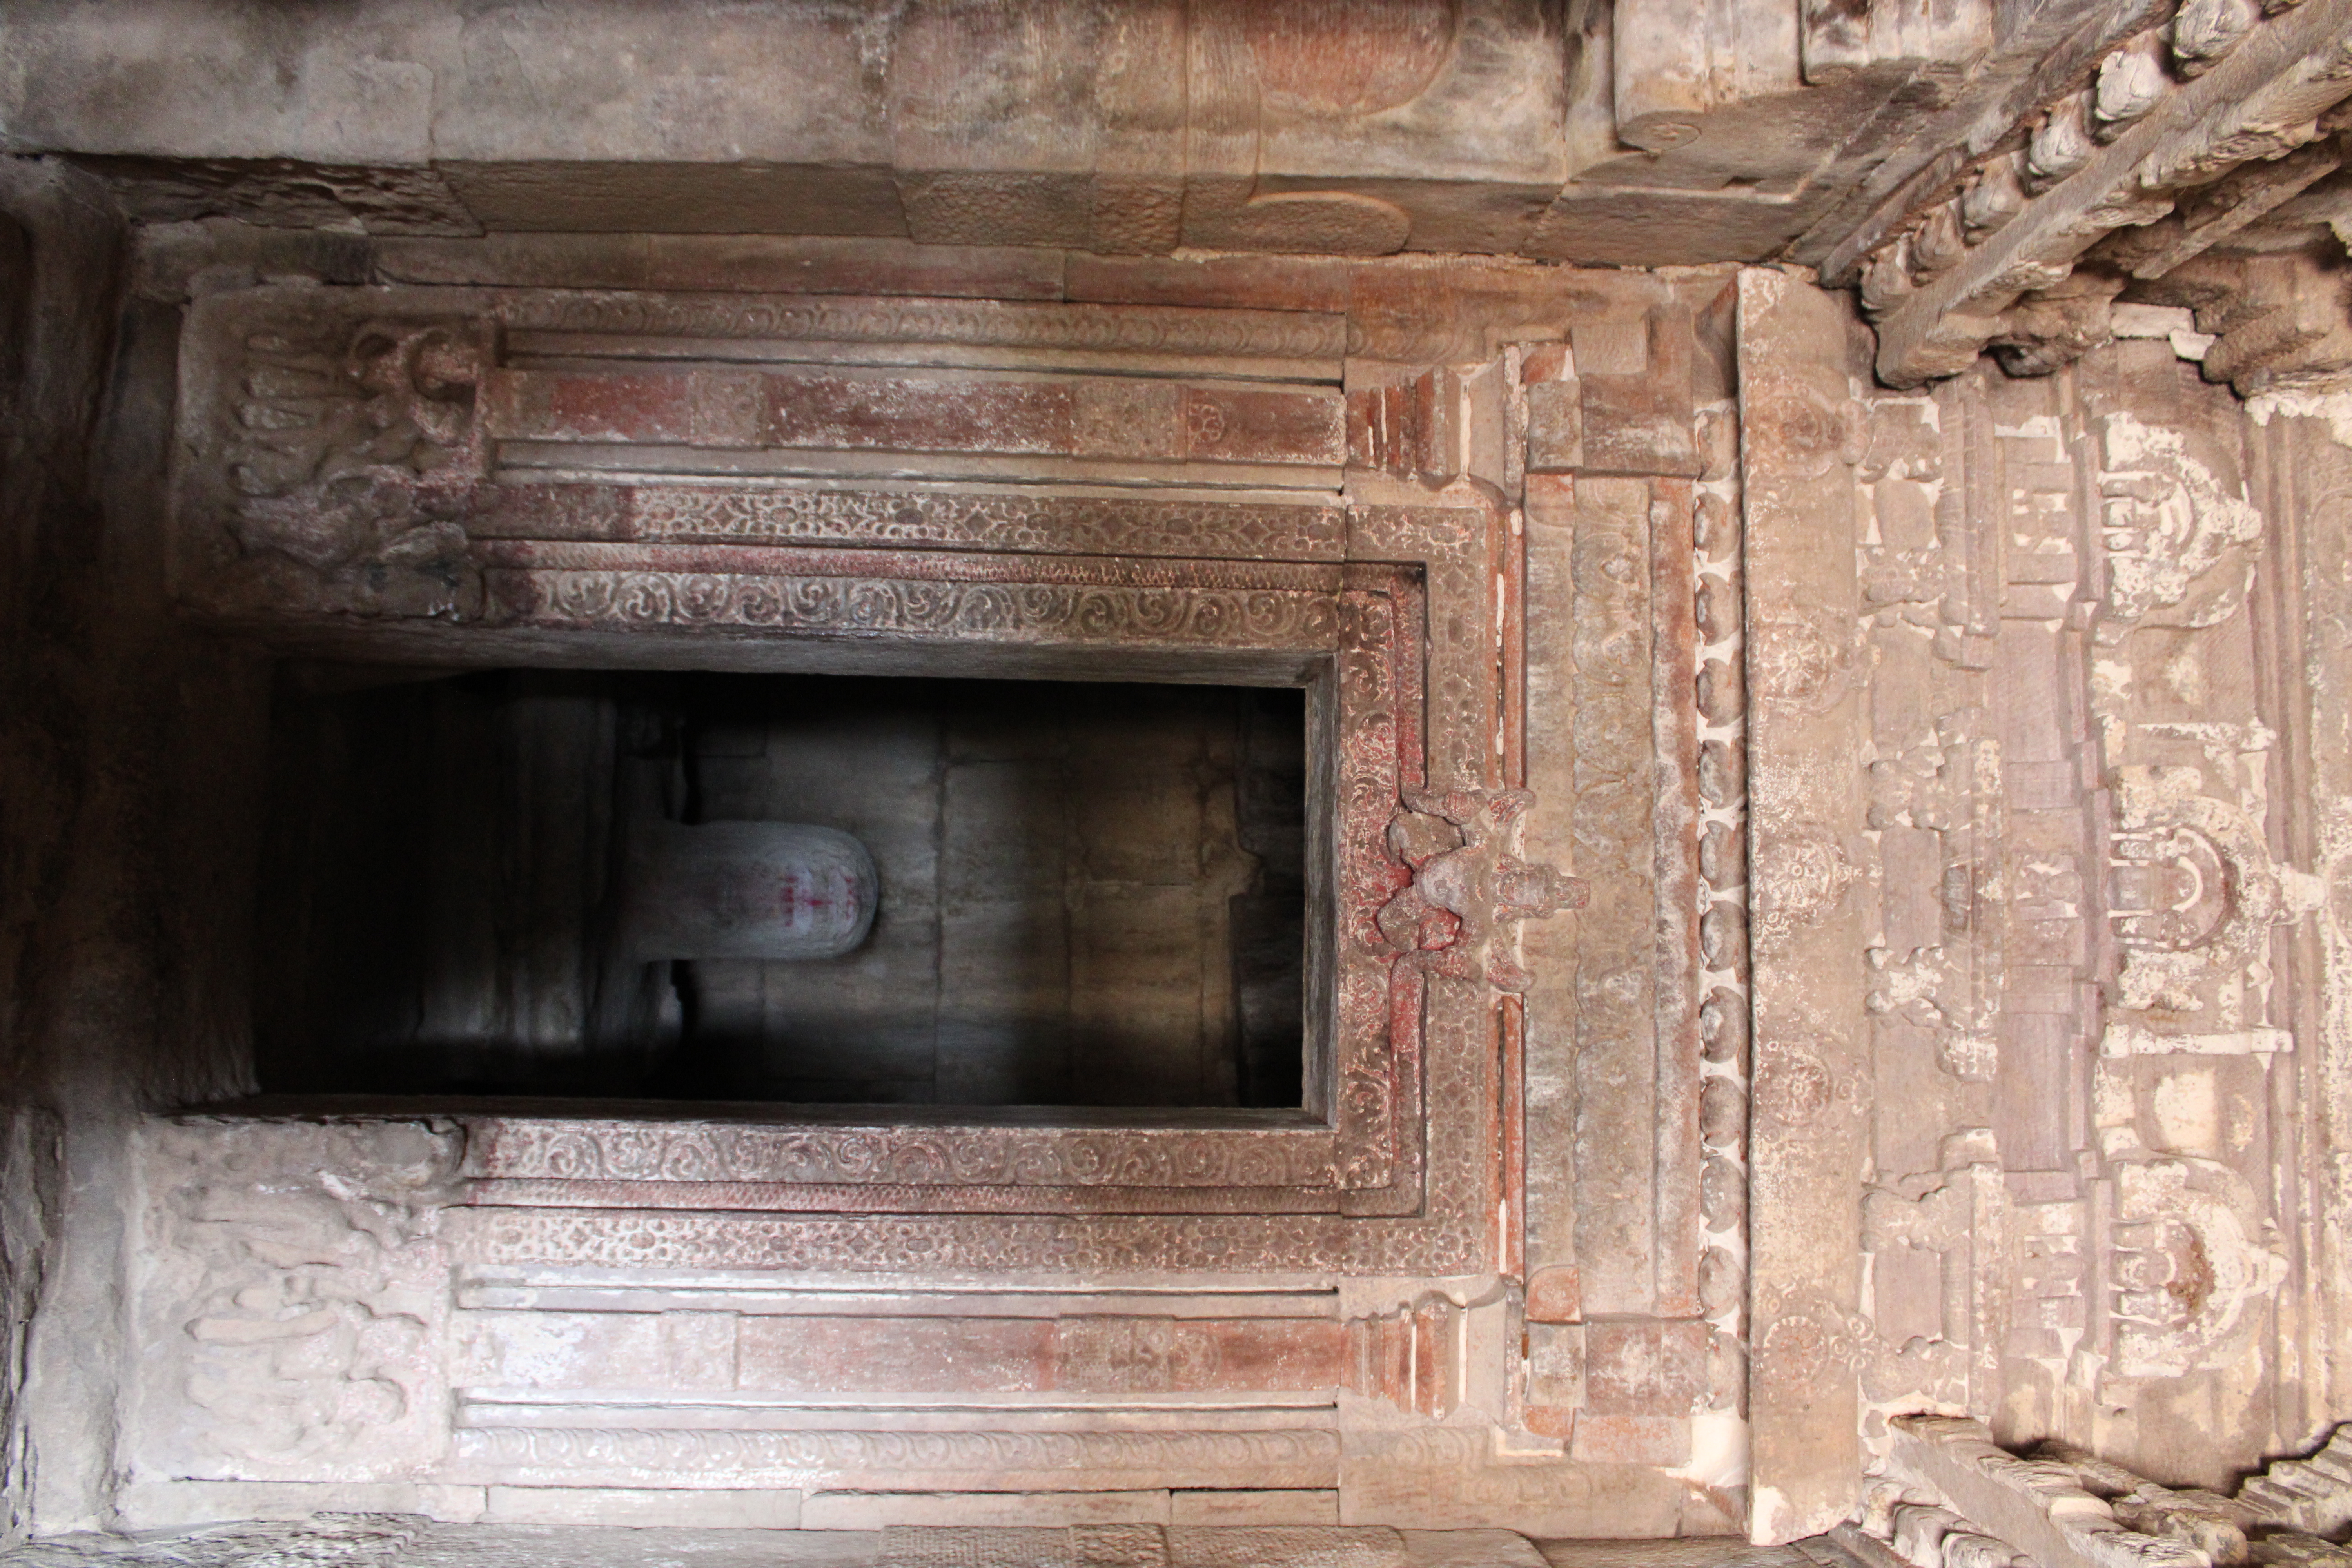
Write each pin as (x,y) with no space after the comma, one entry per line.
(1658,1161)
(389,1538)
(1670,135)
(1806,724)
(2047,1516)
(2311,1494)
(1253,1507)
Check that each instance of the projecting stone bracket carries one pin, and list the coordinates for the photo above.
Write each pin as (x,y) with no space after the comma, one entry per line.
(2060,1507)
(1954,1499)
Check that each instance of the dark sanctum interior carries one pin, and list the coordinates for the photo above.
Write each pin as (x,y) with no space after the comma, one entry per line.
(1089,894)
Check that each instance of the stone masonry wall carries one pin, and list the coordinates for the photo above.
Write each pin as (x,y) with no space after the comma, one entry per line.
(123,844)
(2047,713)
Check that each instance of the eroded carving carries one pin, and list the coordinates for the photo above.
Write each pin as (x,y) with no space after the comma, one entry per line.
(2040,1506)
(2175,538)
(2195,893)
(1466,884)
(357,459)
(300,1295)
(2188,1262)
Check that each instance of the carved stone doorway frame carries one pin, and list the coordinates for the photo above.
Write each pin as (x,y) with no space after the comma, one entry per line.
(1357,501)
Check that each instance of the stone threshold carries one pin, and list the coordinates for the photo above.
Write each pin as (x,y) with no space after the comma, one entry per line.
(382,1540)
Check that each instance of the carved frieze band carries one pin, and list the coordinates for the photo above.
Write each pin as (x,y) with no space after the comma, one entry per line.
(1379,1038)
(573,1150)
(913,519)
(897,607)
(1025,599)
(891,1197)
(1293,1459)
(1444,1239)
(1458,551)
(917,328)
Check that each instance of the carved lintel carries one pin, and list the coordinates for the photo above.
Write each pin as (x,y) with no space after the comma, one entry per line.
(348,452)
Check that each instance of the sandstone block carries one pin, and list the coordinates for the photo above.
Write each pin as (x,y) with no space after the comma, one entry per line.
(1253,1508)
(640,1507)
(1656,1441)
(1026,1510)
(1644,1367)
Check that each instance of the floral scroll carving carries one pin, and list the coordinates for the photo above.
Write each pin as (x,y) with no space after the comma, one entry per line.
(557,1150)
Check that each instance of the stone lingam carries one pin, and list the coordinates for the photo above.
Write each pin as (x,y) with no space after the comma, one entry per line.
(747,889)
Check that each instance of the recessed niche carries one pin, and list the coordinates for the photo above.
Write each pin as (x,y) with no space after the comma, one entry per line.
(532,882)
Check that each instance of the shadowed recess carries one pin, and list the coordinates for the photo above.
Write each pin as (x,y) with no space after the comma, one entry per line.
(1089,894)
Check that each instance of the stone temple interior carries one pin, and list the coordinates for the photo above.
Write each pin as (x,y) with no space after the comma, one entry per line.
(1377,784)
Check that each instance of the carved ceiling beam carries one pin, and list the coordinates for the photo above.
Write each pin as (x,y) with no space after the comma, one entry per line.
(2046,56)
(1947,287)
(2212,214)
(2277,322)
